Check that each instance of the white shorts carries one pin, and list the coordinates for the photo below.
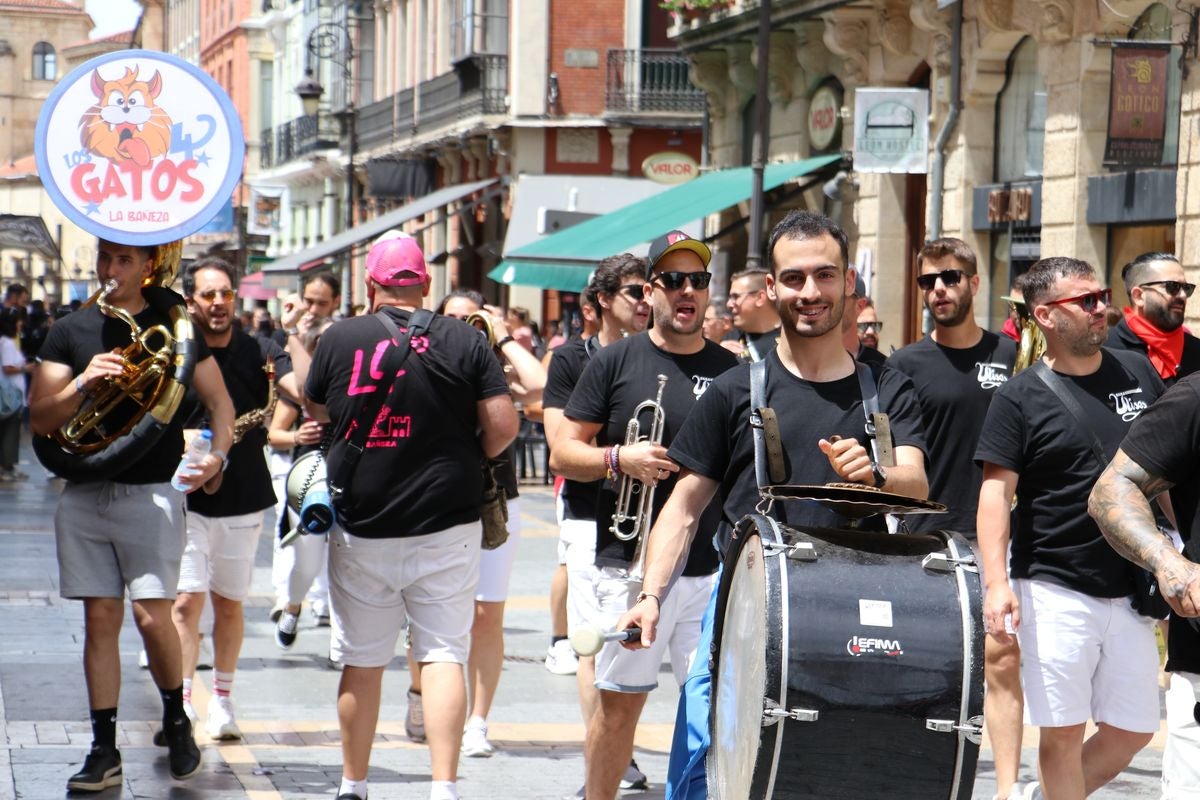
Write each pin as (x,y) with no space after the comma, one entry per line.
(621,670)
(376,586)
(219,555)
(575,533)
(1181,755)
(496,566)
(580,538)
(1086,657)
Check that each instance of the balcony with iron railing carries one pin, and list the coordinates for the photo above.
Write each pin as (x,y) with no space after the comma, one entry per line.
(297,137)
(650,81)
(477,85)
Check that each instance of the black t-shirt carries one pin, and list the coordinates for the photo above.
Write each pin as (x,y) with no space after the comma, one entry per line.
(615,381)
(1165,441)
(79,336)
(718,443)
(1122,337)
(1029,431)
(955,387)
(247,485)
(420,470)
(566,365)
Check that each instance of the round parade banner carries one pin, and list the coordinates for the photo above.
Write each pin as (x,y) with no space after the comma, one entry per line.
(139,147)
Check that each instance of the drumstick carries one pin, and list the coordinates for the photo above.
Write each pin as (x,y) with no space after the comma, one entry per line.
(588,640)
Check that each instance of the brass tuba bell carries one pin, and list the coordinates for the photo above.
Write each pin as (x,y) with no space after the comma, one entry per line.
(158,366)
(483,323)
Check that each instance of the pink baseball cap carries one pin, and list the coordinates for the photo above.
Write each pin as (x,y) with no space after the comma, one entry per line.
(397,262)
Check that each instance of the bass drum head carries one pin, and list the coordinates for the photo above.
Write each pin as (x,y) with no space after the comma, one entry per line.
(740,683)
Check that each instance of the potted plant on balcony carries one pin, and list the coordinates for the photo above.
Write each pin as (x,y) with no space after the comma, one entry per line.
(687,10)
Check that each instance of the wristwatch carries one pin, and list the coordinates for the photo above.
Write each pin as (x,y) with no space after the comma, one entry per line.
(292,331)
(879,475)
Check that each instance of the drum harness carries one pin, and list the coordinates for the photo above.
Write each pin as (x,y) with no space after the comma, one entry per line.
(769,469)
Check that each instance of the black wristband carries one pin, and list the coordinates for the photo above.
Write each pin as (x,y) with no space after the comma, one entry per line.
(500,344)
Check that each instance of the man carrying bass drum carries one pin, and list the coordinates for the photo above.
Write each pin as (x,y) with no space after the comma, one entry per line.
(812,385)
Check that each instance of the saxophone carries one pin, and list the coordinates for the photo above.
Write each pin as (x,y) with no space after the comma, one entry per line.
(253,419)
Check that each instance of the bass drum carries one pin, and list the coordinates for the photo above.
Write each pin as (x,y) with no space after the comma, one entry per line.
(847,664)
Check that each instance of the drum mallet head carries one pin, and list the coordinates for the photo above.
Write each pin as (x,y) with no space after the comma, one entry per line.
(588,640)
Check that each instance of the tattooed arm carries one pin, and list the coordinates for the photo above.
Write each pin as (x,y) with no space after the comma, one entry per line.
(1120,504)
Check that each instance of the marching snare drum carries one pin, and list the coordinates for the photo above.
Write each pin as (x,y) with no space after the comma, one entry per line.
(846,664)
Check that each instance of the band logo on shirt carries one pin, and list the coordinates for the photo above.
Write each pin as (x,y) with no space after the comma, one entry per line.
(388,428)
(990,375)
(1127,406)
(700,384)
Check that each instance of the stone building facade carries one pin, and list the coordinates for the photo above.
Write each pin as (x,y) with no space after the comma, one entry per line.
(1029,138)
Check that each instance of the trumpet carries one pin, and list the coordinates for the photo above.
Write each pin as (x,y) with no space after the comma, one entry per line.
(635,500)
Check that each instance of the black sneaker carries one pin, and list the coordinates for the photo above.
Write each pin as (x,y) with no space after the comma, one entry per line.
(348,796)
(182,752)
(285,630)
(101,769)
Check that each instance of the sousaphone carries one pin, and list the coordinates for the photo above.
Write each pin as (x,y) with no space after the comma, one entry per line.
(125,416)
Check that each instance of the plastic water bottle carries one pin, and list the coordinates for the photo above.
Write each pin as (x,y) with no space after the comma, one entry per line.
(200,446)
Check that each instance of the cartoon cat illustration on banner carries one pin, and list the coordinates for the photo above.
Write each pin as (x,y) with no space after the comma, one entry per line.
(126,124)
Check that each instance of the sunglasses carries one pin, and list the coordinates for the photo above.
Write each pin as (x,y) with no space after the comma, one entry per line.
(208,295)
(1088,302)
(634,291)
(950,277)
(1173,288)
(863,327)
(674,280)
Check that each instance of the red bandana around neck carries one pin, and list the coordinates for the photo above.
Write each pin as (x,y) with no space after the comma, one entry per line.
(1164,349)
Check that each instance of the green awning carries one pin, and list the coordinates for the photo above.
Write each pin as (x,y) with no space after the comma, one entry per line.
(616,232)
(543,275)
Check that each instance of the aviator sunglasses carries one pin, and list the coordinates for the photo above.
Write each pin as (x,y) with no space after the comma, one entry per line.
(674,280)
(208,295)
(1173,288)
(950,277)
(1087,302)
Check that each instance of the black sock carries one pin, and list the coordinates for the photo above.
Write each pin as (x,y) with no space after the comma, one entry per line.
(172,700)
(104,727)
(556,639)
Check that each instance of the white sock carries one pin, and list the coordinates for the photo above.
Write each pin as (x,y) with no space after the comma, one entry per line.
(443,790)
(353,787)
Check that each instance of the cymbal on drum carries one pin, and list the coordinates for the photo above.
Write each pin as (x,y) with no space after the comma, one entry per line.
(854,500)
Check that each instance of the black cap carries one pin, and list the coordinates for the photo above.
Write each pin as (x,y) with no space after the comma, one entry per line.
(669,243)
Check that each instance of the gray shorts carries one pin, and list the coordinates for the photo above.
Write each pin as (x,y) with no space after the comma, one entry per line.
(117,536)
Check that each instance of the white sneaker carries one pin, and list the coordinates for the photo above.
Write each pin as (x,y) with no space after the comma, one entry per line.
(561,658)
(414,718)
(285,630)
(221,725)
(190,710)
(1033,791)
(474,741)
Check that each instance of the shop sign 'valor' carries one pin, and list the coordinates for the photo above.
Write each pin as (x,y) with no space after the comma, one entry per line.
(670,166)
(139,147)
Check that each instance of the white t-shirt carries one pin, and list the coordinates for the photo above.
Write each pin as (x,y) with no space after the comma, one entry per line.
(11,356)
